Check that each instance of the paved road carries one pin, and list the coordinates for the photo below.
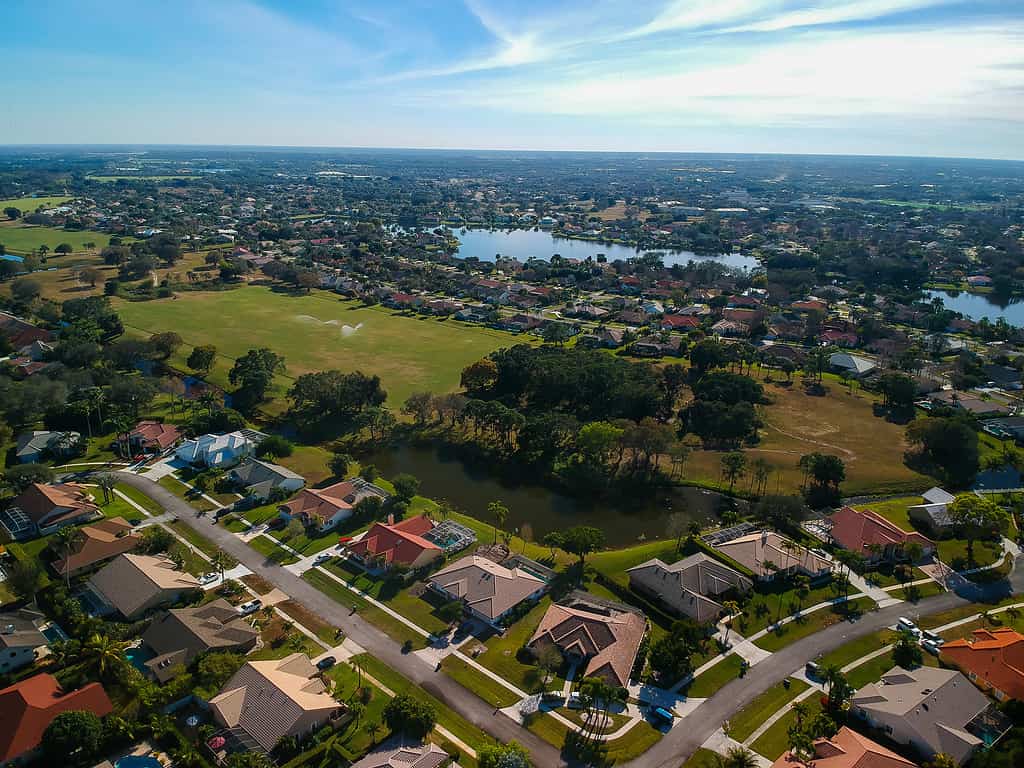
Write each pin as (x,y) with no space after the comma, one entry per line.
(683,740)
(460,699)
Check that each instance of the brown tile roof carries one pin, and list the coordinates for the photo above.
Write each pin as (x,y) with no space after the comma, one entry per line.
(179,635)
(28,707)
(20,332)
(39,500)
(755,549)
(270,699)
(847,749)
(131,581)
(100,541)
(404,756)
(609,639)
(323,503)
(994,656)
(487,587)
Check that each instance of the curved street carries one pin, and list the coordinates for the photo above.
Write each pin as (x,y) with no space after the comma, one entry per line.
(677,745)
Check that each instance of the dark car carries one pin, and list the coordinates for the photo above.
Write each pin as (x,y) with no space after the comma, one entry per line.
(326,663)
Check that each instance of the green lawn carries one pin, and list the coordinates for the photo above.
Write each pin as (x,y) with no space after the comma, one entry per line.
(117,507)
(748,719)
(272,550)
(769,601)
(702,758)
(894,510)
(706,684)
(24,239)
(304,544)
(917,592)
(500,655)
(637,740)
(148,504)
(446,717)
(614,563)
(476,681)
(953,552)
(856,649)
(871,671)
(408,353)
(419,610)
(175,486)
(258,515)
(384,621)
(31,204)
(811,623)
(194,538)
(773,742)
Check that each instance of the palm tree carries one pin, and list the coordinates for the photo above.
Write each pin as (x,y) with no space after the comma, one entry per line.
(499,512)
(803,589)
(733,609)
(373,728)
(68,539)
(104,652)
(122,425)
(737,757)
(222,561)
(106,481)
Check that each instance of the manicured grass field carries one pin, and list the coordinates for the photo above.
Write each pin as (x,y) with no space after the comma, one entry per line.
(953,552)
(419,610)
(894,510)
(811,623)
(272,550)
(181,490)
(763,607)
(702,758)
(476,681)
(409,353)
(748,719)
(723,672)
(856,649)
(153,507)
(31,204)
(841,423)
(117,508)
(500,655)
(773,742)
(24,239)
(197,540)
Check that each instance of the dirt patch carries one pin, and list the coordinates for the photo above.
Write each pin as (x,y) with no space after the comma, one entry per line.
(309,620)
(257,584)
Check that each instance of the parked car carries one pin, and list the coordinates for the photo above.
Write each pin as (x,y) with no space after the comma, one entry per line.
(326,663)
(250,607)
(931,646)
(812,670)
(907,625)
(930,636)
(323,557)
(208,578)
(660,713)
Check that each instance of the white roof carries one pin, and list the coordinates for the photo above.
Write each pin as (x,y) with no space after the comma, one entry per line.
(851,362)
(938,496)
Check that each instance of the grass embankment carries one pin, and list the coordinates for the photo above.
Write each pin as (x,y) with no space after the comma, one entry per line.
(153,507)
(750,718)
(706,684)
(810,623)
(474,680)
(421,610)
(273,551)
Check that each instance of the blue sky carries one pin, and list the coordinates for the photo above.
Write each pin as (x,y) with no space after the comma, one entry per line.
(914,77)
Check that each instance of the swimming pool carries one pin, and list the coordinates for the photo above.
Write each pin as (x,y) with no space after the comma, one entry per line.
(137,761)
(137,657)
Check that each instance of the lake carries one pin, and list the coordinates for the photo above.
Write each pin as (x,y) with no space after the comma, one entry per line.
(443,475)
(522,244)
(978,305)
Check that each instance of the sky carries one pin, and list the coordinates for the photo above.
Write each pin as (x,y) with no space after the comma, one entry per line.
(891,77)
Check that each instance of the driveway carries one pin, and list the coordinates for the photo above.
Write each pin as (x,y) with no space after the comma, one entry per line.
(439,685)
(682,742)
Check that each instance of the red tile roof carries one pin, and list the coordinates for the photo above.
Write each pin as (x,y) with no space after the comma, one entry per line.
(847,749)
(680,321)
(401,543)
(28,707)
(156,433)
(995,656)
(857,530)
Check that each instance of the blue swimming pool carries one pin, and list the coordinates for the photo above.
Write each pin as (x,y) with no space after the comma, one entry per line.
(134,761)
(137,657)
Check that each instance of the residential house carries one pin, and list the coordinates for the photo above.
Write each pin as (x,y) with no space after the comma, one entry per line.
(259,479)
(694,586)
(21,333)
(731,328)
(132,585)
(604,337)
(874,538)
(854,365)
(178,636)
(992,658)
(522,323)
(35,446)
(20,638)
(41,509)
(839,338)
(402,544)
(97,544)
(679,323)
(933,514)
(489,590)
(218,451)
(968,402)
(847,749)
(1002,376)
(655,346)
(29,706)
(269,700)
(602,638)
(929,709)
(760,551)
(395,754)
(153,437)
(326,508)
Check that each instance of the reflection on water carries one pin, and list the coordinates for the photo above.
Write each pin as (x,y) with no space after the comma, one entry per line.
(523,244)
(471,487)
(978,305)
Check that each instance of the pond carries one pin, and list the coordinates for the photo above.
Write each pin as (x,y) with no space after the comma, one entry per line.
(486,244)
(978,305)
(471,488)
